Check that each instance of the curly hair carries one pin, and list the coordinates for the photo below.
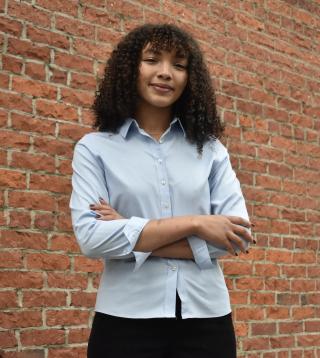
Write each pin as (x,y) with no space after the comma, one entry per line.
(117,95)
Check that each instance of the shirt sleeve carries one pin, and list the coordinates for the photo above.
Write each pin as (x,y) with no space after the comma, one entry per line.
(226,198)
(114,239)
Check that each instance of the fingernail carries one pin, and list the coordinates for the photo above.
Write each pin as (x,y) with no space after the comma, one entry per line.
(254,241)
(247,251)
(253,224)
(100,198)
(91,205)
(236,254)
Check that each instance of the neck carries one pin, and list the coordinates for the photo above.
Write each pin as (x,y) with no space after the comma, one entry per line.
(153,120)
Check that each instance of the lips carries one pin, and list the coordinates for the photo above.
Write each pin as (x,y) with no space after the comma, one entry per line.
(161,86)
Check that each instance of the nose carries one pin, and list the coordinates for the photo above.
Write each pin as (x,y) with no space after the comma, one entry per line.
(164,70)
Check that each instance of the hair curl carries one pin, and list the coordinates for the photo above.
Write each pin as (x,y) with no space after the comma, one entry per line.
(117,95)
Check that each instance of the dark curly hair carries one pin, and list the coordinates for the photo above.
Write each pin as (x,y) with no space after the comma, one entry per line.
(117,95)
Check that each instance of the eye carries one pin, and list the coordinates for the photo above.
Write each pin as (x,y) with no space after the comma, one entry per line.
(151,60)
(179,65)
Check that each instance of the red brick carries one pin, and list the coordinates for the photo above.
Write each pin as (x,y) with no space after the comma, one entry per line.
(44,298)
(20,319)
(35,70)
(28,49)
(238,297)
(303,313)
(262,298)
(11,259)
(21,279)
(53,147)
(34,88)
(72,62)
(56,110)
(282,342)
(84,264)
(20,219)
(44,261)
(245,313)
(67,317)
(266,270)
(74,27)
(252,344)
(80,335)
(67,280)
(65,243)
(30,124)
(34,162)
(277,312)
(23,239)
(262,329)
(310,340)
(8,339)
(72,352)
(53,183)
(10,139)
(39,337)
(8,299)
(15,101)
(77,97)
(29,13)
(290,327)
(83,299)
(47,37)
(30,200)
(12,179)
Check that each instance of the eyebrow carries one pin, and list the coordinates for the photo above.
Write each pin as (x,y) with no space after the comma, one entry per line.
(177,55)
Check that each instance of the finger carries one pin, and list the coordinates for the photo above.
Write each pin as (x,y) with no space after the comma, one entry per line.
(240,221)
(244,233)
(109,217)
(236,241)
(230,248)
(102,201)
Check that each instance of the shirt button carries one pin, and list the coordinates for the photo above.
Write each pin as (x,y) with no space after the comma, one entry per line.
(161,141)
(166,206)
(160,161)
(173,268)
(163,182)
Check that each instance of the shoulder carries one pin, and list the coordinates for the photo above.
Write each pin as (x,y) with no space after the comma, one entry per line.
(95,140)
(216,149)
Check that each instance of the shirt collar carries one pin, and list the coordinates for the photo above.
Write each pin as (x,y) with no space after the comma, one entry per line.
(124,129)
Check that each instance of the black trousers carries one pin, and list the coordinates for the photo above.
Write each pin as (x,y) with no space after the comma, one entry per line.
(117,337)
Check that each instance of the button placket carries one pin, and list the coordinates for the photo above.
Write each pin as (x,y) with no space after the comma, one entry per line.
(165,202)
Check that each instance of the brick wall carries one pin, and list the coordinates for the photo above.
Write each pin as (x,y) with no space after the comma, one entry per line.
(264,55)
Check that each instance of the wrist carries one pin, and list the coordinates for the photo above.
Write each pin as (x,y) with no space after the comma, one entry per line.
(195,224)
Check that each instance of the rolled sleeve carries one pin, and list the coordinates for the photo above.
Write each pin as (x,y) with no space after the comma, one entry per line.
(226,197)
(132,231)
(200,252)
(113,239)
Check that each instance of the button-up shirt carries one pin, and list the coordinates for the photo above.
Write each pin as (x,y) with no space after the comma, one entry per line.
(144,179)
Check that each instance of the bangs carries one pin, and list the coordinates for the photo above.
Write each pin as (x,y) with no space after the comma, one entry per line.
(164,40)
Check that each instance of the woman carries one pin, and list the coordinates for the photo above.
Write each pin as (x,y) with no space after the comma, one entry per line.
(154,195)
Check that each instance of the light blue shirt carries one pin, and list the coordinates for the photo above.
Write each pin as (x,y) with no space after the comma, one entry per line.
(145,179)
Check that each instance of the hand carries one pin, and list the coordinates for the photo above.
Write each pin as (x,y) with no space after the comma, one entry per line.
(105,211)
(223,231)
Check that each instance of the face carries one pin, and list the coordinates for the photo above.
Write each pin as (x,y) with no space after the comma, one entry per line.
(162,77)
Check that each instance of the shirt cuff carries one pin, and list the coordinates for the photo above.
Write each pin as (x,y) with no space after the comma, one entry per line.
(132,232)
(200,253)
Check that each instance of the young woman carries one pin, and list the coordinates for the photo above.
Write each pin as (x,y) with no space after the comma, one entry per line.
(155,196)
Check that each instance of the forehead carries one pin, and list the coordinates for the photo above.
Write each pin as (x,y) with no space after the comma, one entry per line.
(151,48)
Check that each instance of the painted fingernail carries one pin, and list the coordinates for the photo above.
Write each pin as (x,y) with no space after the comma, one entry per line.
(247,251)
(91,205)
(253,224)
(254,241)
(236,254)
